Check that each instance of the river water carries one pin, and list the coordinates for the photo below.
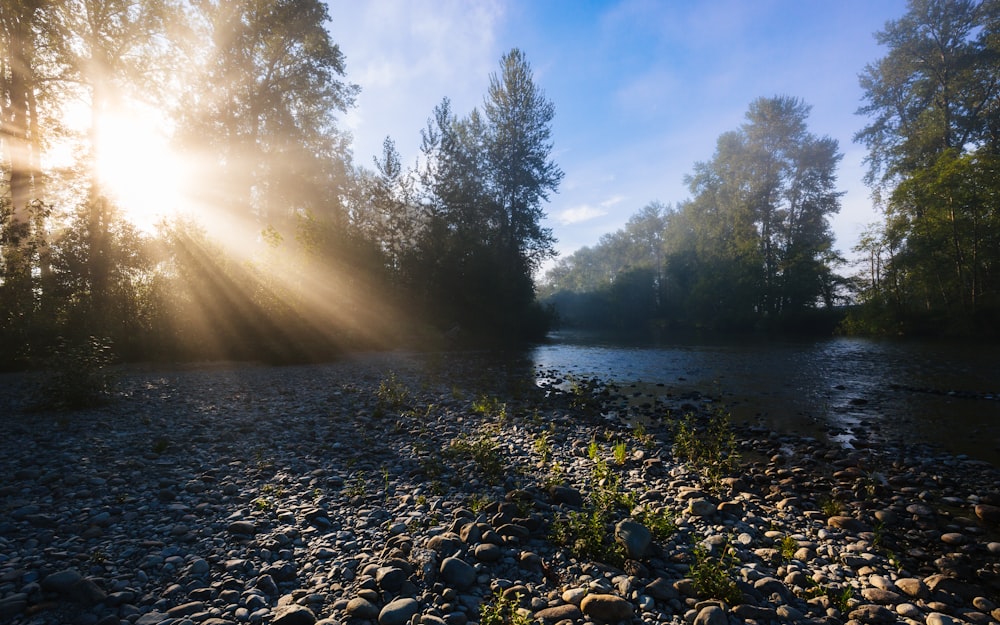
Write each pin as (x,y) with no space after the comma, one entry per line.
(943,394)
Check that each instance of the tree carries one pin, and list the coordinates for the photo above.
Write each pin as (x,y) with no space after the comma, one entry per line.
(485,178)
(760,210)
(262,113)
(933,139)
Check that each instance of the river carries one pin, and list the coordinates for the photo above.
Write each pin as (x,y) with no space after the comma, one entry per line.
(943,394)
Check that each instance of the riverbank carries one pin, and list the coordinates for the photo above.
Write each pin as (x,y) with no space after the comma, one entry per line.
(386,489)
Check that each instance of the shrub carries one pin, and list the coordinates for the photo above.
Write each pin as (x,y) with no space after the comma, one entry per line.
(77,376)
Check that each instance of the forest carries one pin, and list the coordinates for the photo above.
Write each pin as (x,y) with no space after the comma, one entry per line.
(751,250)
(288,250)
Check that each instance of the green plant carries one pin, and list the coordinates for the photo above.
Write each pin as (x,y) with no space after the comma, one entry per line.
(707,446)
(841,599)
(484,452)
(830,507)
(490,407)
(391,393)
(543,448)
(620,452)
(592,450)
(585,534)
(160,445)
(76,376)
(477,503)
(358,487)
(788,546)
(660,522)
(262,504)
(642,436)
(501,610)
(713,576)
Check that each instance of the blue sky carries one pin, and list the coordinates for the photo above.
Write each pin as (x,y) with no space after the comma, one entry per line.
(642,88)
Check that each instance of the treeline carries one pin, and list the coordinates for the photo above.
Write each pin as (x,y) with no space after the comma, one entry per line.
(752,248)
(287,249)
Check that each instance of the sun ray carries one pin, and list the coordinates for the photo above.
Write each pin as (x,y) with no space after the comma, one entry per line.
(136,165)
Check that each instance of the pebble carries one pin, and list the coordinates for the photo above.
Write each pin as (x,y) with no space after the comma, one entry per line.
(251,495)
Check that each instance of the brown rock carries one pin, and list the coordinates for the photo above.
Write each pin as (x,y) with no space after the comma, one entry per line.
(847,523)
(607,608)
(988,514)
(559,613)
(913,587)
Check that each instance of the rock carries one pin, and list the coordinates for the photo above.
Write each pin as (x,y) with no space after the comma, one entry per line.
(186,609)
(880,596)
(936,618)
(398,612)
(701,507)
(847,523)
(953,538)
(361,608)
(558,613)
(242,528)
(950,585)
(62,581)
(662,589)
(607,608)
(390,578)
(988,514)
(293,614)
(634,537)
(711,615)
(488,552)
(574,595)
(873,614)
(566,495)
(456,572)
(913,587)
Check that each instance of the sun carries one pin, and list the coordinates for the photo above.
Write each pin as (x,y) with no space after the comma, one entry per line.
(136,166)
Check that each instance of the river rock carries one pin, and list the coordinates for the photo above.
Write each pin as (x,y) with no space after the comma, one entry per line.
(361,608)
(913,587)
(634,537)
(711,615)
(398,612)
(558,613)
(988,513)
(607,608)
(873,614)
(847,523)
(936,618)
(458,573)
(293,614)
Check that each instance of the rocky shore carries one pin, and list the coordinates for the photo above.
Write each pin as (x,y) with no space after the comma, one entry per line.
(398,490)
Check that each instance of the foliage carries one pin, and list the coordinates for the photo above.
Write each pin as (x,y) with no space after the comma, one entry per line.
(620,452)
(585,534)
(707,445)
(391,392)
(933,144)
(713,576)
(77,375)
(752,248)
(484,452)
(503,610)
(659,521)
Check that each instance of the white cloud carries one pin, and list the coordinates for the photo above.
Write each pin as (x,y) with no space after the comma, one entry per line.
(580,214)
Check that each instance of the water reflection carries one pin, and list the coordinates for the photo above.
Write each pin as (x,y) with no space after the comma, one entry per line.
(943,394)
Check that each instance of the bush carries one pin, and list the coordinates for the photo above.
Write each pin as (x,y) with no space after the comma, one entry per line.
(77,376)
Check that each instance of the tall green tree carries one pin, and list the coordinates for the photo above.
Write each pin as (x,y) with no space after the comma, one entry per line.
(261,115)
(760,211)
(933,139)
(486,178)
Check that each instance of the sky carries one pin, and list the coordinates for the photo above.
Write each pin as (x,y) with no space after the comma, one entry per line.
(642,89)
